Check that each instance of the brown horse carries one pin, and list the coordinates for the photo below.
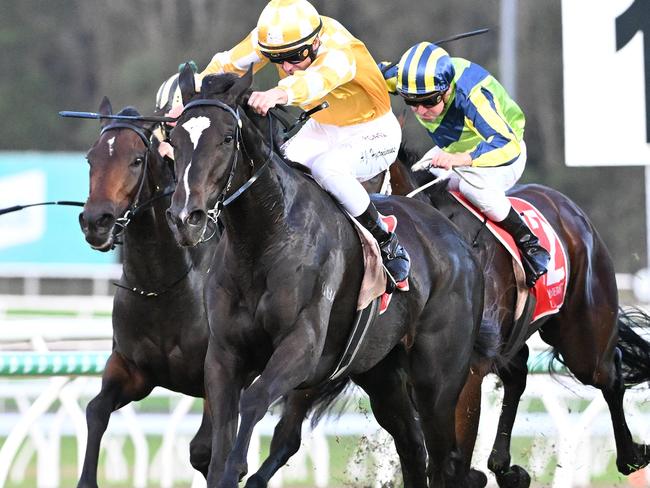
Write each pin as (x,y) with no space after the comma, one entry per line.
(590,335)
(160,331)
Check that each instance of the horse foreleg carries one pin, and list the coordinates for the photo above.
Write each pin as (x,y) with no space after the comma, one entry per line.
(200,450)
(222,388)
(121,384)
(514,384)
(286,436)
(289,366)
(387,387)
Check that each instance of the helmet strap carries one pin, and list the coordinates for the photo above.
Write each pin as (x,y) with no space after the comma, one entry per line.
(313,52)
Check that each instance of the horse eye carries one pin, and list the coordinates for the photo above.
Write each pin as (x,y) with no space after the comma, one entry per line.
(137,162)
(228,139)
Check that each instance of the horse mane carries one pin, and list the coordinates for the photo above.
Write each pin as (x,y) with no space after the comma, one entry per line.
(219,84)
(129,111)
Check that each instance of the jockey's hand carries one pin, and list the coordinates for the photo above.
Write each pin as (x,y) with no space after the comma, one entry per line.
(166,149)
(447,160)
(174,112)
(425,162)
(261,102)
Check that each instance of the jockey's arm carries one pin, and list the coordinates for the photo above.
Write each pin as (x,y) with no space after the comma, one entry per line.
(499,145)
(238,59)
(332,68)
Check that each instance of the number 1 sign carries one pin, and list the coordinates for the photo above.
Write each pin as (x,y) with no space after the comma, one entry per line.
(606,54)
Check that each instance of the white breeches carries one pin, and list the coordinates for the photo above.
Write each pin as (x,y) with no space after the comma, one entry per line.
(341,157)
(486,187)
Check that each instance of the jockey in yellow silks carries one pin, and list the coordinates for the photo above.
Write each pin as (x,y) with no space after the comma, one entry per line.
(354,139)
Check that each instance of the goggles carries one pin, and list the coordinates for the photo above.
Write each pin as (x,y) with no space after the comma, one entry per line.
(295,56)
(430,100)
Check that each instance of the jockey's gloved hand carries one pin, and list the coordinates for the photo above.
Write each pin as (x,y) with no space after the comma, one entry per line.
(389,70)
(425,161)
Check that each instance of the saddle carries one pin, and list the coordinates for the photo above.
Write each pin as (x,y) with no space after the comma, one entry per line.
(547,296)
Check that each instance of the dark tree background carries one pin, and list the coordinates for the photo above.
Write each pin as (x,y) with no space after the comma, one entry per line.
(67,54)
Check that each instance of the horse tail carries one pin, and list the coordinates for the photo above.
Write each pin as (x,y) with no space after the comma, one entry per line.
(635,350)
(487,344)
(326,397)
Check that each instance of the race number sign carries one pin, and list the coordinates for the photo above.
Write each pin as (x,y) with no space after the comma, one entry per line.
(606,53)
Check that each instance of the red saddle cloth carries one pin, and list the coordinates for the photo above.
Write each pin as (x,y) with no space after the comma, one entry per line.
(550,289)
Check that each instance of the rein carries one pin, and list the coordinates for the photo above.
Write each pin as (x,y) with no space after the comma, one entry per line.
(16,208)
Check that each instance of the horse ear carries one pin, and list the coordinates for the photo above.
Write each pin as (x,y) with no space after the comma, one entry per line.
(242,85)
(105,108)
(186,83)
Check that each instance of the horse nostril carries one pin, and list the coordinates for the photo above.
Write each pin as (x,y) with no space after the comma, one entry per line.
(106,220)
(196,217)
(171,220)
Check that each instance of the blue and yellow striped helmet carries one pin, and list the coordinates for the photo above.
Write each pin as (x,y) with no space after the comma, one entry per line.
(423,70)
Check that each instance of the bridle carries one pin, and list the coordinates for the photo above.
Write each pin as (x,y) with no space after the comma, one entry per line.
(222,200)
(135,206)
(122,222)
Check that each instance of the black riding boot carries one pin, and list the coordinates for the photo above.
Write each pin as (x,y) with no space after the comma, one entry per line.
(394,256)
(534,257)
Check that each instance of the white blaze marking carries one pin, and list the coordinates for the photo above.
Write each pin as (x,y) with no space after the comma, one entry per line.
(111,141)
(186,184)
(194,127)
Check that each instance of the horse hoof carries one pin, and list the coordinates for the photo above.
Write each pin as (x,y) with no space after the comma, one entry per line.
(476,479)
(640,460)
(630,468)
(516,477)
(255,481)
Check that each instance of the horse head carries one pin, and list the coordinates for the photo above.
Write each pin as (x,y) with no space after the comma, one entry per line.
(125,170)
(207,143)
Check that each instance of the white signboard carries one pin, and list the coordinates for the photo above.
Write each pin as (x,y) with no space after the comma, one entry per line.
(19,228)
(606,53)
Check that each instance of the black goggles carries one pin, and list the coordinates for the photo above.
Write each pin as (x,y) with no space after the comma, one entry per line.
(294,56)
(428,101)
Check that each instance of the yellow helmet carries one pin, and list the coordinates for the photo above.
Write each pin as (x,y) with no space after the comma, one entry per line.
(287,26)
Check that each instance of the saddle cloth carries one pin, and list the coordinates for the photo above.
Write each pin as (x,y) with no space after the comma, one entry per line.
(374,278)
(550,289)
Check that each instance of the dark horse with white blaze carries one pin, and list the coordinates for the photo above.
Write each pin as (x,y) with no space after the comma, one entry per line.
(283,294)
(589,334)
(160,328)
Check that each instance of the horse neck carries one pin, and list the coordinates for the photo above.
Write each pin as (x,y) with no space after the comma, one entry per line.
(257,218)
(151,255)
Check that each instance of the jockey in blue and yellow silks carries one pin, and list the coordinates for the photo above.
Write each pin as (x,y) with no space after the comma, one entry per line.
(477,130)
